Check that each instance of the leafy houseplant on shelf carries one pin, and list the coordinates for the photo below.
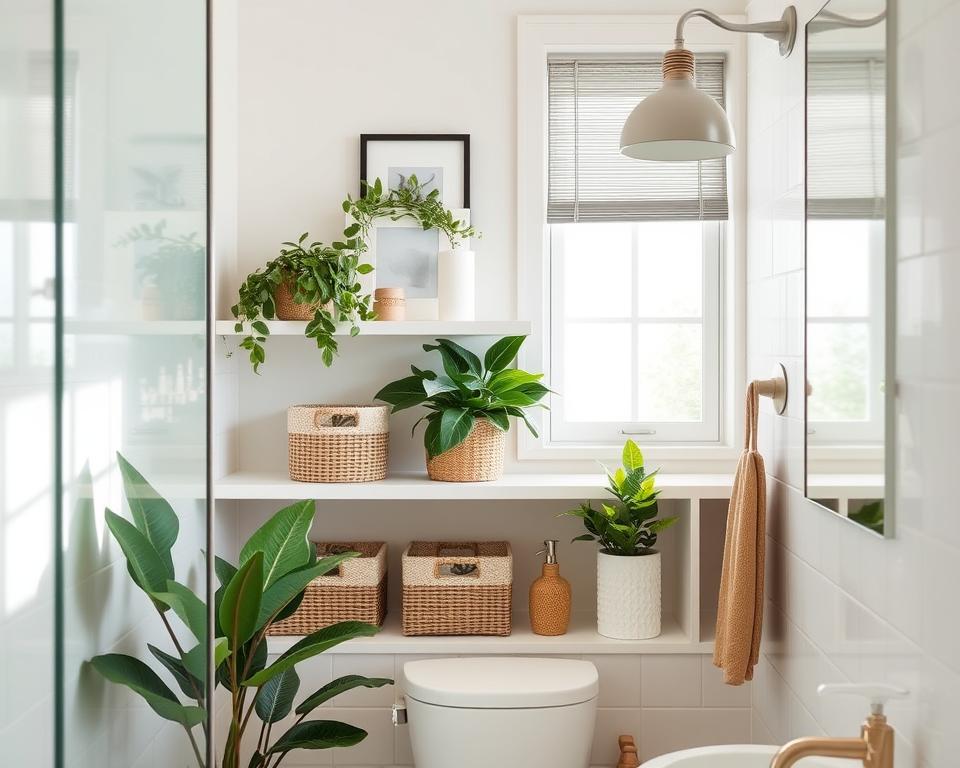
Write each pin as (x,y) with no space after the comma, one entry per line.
(275,567)
(470,404)
(628,566)
(319,283)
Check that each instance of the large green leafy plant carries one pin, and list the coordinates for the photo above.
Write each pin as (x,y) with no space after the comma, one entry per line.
(630,526)
(467,389)
(265,586)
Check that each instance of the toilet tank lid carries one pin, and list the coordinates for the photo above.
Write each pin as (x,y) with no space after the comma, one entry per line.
(500,682)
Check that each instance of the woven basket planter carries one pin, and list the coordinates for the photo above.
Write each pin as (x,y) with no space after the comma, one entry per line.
(356,592)
(457,588)
(287,309)
(478,458)
(338,443)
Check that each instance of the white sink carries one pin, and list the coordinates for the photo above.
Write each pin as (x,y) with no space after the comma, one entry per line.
(737,756)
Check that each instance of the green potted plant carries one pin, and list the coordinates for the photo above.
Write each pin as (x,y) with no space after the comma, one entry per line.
(470,403)
(628,566)
(313,282)
(266,586)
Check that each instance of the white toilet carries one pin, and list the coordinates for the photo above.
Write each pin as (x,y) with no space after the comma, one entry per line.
(501,712)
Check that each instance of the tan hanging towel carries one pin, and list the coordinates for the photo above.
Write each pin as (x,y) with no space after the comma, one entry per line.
(740,606)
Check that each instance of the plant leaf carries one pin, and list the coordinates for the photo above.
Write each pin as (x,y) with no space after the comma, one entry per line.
(338,686)
(225,571)
(288,587)
(191,610)
(275,699)
(139,678)
(455,425)
(403,393)
(311,645)
(318,734)
(190,685)
(470,361)
(240,606)
(283,542)
(512,378)
(502,353)
(145,565)
(152,514)
(632,456)
(440,384)
(195,660)
(499,418)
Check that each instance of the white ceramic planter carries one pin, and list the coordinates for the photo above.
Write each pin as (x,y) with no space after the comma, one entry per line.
(457,285)
(628,596)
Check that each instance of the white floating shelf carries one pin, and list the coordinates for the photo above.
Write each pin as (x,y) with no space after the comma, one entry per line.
(582,638)
(417,486)
(397,328)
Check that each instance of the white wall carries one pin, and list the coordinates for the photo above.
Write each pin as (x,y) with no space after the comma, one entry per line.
(842,604)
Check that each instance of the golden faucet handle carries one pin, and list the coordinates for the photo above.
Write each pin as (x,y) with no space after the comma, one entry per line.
(878,694)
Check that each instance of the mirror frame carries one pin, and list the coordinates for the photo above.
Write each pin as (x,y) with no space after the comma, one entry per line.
(890,462)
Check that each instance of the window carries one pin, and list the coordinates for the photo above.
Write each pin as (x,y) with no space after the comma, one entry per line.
(635,259)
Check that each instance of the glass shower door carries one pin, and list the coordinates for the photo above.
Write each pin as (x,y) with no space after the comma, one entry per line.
(134,372)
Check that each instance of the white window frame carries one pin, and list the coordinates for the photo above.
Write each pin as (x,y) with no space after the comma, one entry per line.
(537,38)
(707,430)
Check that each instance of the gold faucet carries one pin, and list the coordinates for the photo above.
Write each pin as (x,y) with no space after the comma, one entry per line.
(874,748)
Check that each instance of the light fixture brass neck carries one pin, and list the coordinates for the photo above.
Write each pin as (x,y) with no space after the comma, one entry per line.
(678,64)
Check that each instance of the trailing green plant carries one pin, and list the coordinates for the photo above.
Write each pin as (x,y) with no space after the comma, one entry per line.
(630,526)
(465,390)
(318,275)
(409,200)
(870,516)
(265,586)
(325,276)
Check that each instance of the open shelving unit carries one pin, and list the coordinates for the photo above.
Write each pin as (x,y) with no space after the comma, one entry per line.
(395,328)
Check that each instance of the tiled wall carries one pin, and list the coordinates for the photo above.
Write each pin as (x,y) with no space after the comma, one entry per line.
(843,605)
(668,702)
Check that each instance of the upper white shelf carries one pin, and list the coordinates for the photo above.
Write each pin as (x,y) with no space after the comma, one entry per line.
(398,328)
(417,486)
(581,638)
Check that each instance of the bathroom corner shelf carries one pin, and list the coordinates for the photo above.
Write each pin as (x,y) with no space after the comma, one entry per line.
(582,638)
(417,486)
(398,328)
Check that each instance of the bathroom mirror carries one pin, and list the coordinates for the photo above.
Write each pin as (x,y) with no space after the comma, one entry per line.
(847,285)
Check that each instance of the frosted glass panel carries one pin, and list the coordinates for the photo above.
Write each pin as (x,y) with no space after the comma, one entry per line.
(135,375)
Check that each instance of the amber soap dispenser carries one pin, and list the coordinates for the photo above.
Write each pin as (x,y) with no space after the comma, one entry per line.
(550,596)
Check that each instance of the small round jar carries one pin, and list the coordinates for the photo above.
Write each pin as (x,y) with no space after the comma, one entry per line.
(390,304)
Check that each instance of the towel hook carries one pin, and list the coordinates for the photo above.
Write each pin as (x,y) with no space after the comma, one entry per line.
(775,388)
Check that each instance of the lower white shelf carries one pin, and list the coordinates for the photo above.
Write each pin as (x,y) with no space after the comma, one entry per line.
(416,485)
(582,638)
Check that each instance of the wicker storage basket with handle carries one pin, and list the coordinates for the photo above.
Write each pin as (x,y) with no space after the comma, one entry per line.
(338,443)
(457,588)
(356,591)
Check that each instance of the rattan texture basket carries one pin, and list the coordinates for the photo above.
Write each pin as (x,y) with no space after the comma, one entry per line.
(286,308)
(338,443)
(457,588)
(478,458)
(357,592)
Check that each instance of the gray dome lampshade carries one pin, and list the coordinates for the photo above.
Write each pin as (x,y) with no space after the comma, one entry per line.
(679,121)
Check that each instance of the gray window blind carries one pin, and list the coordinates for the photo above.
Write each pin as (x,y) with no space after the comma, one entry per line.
(589,180)
(846,130)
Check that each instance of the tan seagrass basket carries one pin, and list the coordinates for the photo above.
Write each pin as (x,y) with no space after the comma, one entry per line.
(357,591)
(478,458)
(286,308)
(338,443)
(457,588)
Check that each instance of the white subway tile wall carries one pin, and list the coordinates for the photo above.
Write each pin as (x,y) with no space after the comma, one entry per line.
(842,605)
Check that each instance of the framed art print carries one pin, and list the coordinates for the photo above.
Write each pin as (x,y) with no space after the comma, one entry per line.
(438,160)
(404,255)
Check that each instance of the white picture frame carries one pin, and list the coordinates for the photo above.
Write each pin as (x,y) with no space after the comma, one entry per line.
(405,267)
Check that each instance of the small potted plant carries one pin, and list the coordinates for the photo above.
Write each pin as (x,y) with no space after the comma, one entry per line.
(313,282)
(628,566)
(470,404)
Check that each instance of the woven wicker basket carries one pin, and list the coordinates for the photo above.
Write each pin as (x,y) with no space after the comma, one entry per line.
(338,443)
(286,308)
(452,588)
(478,458)
(357,592)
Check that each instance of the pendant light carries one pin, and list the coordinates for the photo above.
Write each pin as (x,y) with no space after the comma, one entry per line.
(681,122)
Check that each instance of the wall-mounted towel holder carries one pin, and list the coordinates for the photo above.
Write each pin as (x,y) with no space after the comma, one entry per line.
(775,388)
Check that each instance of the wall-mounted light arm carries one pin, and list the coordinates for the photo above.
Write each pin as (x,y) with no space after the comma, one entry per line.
(828,20)
(784,31)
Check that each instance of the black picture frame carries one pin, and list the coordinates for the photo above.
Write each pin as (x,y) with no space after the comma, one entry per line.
(464,138)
